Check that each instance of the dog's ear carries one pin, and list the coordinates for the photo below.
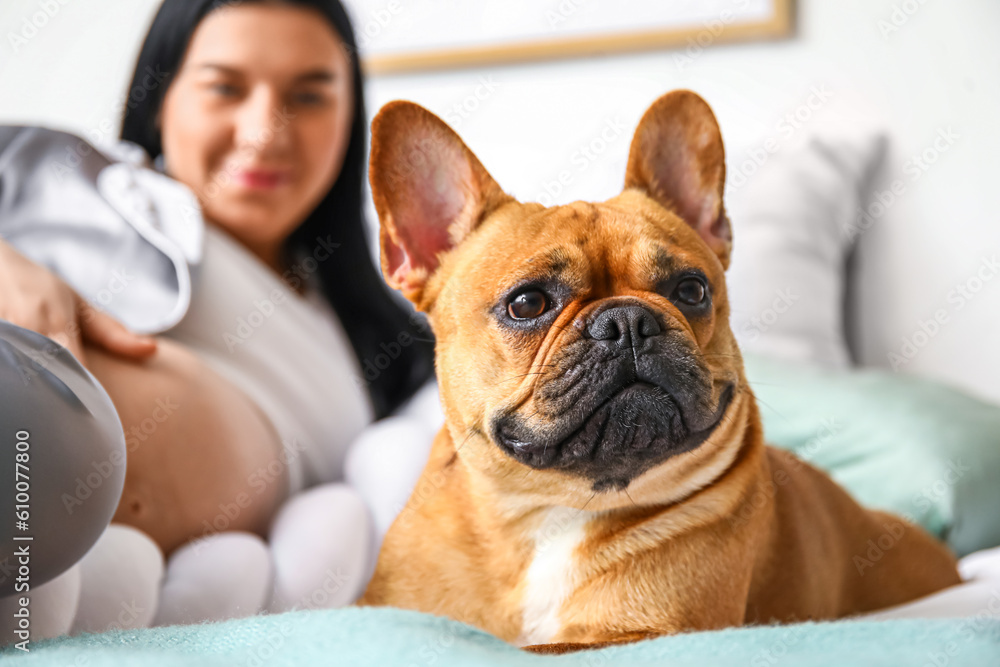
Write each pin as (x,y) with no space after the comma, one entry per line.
(430,191)
(677,158)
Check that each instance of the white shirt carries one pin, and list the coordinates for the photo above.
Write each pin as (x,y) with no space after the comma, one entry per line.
(289,353)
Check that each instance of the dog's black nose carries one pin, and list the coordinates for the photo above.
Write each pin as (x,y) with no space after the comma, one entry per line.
(628,325)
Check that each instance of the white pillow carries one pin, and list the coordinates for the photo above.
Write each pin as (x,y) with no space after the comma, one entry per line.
(794,209)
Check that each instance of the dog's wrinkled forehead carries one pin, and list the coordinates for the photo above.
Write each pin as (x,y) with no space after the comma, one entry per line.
(627,245)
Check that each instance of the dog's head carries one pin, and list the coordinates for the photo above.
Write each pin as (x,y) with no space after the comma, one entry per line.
(583,351)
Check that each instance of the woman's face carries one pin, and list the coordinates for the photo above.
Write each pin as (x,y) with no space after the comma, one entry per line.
(258,118)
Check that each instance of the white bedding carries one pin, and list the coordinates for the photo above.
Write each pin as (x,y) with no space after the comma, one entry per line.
(979,595)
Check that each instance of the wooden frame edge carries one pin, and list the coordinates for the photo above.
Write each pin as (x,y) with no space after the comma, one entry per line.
(780,25)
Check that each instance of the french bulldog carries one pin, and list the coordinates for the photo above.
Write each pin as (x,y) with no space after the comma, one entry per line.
(602,474)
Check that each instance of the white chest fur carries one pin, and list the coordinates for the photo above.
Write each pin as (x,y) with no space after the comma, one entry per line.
(551,576)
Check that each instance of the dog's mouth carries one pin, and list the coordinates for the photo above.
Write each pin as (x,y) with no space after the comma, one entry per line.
(635,429)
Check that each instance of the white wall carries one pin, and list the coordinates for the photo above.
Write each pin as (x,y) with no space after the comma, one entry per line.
(938,70)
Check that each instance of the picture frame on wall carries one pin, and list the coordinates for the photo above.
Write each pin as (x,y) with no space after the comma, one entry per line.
(399,36)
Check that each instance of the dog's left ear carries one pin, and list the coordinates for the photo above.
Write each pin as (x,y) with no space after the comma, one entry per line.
(677,158)
(430,192)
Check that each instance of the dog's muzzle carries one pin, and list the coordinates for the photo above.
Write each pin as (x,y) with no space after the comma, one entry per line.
(626,396)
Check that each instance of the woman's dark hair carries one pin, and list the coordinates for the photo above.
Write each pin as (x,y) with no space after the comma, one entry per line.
(395,349)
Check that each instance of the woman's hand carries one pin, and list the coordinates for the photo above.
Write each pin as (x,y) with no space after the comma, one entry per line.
(34,298)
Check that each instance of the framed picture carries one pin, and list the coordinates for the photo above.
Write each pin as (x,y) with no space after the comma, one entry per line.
(412,35)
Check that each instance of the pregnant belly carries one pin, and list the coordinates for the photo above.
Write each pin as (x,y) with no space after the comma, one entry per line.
(202,458)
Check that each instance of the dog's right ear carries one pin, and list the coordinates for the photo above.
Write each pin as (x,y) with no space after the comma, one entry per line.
(678,159)
(430,192)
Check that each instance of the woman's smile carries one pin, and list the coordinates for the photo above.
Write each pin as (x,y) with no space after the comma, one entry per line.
(263,179)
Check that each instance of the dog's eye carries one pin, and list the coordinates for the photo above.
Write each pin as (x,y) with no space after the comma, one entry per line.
(690,291)
(528,305)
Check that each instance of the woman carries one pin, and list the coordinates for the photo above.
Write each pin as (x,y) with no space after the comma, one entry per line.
(261,115)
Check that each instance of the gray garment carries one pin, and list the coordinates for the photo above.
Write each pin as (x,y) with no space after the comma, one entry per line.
(58,417)
(125,237)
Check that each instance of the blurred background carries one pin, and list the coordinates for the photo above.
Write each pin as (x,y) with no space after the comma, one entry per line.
(554,124)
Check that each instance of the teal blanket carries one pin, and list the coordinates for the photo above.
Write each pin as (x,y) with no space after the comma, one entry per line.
(388,637)
(913,447)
